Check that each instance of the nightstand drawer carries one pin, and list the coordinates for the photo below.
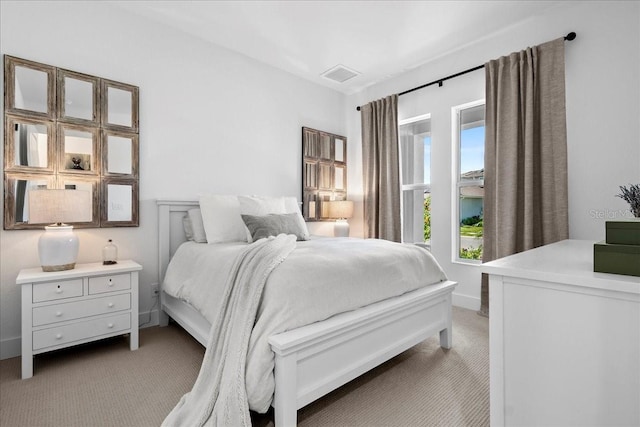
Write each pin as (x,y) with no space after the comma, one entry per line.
(116,282)
(80,331)
(57,290)
(76,310)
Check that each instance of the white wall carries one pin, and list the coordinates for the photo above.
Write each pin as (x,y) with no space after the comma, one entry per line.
(211,120)
(603,110)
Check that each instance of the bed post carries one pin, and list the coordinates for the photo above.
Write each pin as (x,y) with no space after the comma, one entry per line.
(285,399)
(446,334)
(164,253)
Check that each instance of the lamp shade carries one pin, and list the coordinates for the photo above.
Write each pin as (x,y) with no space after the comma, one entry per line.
(340,209)
(59,206)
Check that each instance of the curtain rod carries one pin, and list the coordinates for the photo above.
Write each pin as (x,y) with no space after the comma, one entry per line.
(568,37)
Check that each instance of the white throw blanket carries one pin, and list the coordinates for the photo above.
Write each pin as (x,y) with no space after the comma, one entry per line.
(219,396)
(322,277)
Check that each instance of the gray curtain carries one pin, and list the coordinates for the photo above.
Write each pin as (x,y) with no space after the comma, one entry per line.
(525,201)
(381,169)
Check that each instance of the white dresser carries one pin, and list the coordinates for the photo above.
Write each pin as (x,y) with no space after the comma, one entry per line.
(564,341)
(65,308)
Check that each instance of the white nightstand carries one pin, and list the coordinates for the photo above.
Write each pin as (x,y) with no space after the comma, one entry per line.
(88,303)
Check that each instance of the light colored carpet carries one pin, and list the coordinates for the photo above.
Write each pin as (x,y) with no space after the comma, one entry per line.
(105,384)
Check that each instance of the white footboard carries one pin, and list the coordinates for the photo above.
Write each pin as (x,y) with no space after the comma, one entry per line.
(313,360)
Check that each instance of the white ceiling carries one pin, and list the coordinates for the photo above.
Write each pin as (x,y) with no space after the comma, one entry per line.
(379,39)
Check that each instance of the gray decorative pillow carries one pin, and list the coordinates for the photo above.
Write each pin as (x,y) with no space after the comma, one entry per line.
(274,224)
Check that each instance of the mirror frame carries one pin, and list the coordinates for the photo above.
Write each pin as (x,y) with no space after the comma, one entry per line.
(95,143)
(319,166)
(10,164)
(61,98)
(57,121)
(106,84)
(104,211)
(10,197)
(135,153)
(10,65)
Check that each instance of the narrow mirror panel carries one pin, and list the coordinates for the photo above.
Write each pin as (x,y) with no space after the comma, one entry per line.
(31,90)
(339,178)
(119,155)
(31,145)
(339,150)
(78,150)
(119,107)
(21,190)
(119,206)
(78,99)
(83,184)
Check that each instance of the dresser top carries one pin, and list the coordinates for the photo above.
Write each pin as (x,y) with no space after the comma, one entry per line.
(568,261)
(31,275)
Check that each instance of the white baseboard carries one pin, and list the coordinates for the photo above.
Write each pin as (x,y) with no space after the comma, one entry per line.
(148,319)
(465,301)
(12,347)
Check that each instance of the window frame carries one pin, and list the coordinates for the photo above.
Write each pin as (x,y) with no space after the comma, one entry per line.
(411,187)
(457,184)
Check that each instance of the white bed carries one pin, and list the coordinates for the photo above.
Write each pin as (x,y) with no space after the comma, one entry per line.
(312,360)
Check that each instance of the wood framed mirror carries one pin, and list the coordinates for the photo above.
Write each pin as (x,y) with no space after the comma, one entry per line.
(65,129)
(324,172)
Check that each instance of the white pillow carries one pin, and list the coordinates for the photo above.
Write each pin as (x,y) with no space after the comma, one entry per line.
(260,206)
(291,205)
(221,219)
(197,226)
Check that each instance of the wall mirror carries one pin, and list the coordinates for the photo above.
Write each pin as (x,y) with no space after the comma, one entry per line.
(324,172)
(121,101)
(16,189)
(65,129)
(78,96)
(29,88)
(28,145)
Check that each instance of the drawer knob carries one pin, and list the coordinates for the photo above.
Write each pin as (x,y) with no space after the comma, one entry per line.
(110,282)
(110,305)
(110,325)
(58,313)
(59,290)
(58,336)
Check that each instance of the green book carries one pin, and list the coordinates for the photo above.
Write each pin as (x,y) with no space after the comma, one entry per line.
(616,259)
(623,232)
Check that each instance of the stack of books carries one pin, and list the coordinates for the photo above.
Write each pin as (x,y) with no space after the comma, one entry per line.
(620,252)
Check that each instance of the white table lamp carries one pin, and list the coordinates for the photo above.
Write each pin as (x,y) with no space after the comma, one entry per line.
(58,245)
(340,210)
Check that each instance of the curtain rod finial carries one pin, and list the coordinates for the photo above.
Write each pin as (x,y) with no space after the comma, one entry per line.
(570,36)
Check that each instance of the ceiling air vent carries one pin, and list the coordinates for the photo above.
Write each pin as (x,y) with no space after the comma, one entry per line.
(339,73)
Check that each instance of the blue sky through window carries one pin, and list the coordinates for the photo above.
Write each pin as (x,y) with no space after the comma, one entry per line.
(472,149)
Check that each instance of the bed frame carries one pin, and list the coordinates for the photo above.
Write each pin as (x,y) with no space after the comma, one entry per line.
(315,359)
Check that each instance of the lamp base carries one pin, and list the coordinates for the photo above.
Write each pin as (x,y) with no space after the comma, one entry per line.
(58,248)
(341,228)
(59,267)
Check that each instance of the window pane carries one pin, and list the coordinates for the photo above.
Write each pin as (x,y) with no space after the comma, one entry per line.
(470,185)
(472,143)
(415,150)
(416,216)
(471,222)
(415,146)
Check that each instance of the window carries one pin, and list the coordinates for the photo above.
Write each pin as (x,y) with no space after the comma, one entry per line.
(415,165)
(468,141)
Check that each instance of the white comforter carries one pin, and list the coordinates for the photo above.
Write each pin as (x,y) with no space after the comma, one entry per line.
(320,278)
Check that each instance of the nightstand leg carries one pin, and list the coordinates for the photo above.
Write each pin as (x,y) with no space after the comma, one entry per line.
(27,345)
(133,336)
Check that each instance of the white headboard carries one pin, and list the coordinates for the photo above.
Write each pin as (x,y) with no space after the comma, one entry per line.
(170,229)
